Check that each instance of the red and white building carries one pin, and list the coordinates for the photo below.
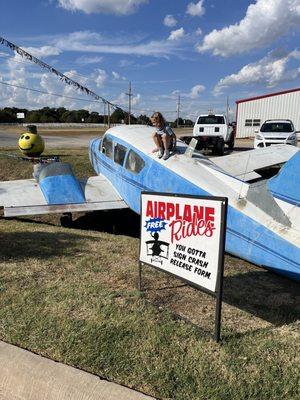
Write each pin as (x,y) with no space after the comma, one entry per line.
(251,113)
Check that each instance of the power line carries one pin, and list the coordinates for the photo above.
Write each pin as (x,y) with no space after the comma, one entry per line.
(49,93)
(61,76)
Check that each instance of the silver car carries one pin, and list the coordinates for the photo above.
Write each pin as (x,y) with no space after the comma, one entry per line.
(279,131)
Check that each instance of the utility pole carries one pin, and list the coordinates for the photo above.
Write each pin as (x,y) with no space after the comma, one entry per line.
(108,115)
(227,110)
(104,113)
(178,110)
(129,94)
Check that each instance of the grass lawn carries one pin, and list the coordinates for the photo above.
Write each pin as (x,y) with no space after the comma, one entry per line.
(70,295)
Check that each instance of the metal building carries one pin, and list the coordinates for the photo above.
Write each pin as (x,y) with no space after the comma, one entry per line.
(251,113)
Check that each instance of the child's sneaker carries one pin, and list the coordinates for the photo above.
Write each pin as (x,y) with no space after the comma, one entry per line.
(166,155)
(160,153)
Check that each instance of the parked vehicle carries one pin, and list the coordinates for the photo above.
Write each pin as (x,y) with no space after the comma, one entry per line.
(213,131)
(279,131)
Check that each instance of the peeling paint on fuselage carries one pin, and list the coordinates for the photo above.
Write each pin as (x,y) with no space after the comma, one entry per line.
(245,237)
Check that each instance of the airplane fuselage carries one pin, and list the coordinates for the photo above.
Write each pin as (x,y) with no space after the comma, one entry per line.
(129,164)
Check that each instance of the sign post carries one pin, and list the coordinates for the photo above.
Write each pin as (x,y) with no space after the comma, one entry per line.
(185,236)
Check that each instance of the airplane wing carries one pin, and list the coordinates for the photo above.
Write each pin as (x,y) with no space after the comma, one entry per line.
(29,197)
(247,164)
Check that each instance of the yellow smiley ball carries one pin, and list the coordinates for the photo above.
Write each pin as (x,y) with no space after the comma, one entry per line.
(31,144)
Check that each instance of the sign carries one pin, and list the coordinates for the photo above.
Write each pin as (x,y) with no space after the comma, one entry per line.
(20,115)
(182,235)
(185,236)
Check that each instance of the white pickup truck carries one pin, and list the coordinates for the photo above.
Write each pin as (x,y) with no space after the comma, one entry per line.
(213,131)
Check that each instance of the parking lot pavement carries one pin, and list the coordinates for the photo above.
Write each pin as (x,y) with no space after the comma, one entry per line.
(27,376)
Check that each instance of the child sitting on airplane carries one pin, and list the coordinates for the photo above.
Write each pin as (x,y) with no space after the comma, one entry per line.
(164,137)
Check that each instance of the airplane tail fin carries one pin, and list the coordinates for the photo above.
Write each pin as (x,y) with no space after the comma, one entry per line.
(286,184)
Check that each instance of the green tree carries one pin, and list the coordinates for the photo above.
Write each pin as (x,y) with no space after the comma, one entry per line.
(33,116)
(59,112)
(117,116)
(95,118)
(143,119)
(82,115)
(7,117)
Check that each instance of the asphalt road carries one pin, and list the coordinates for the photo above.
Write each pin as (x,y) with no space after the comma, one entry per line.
(10,140)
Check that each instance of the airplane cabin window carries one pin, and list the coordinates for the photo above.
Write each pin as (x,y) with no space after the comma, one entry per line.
(134,162)
(107,147)
(119,154)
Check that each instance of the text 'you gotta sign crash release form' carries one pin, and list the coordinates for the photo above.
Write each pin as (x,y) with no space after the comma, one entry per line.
(183,235)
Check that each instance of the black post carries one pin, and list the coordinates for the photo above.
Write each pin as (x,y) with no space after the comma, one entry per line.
(218,314)
(219,296)
(140,277)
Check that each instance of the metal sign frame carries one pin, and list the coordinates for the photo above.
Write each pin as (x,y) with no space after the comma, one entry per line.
(218,293)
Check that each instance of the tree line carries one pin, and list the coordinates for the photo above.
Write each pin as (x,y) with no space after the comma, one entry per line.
(61,114)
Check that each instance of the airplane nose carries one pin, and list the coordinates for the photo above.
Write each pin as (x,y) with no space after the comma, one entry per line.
(93,148)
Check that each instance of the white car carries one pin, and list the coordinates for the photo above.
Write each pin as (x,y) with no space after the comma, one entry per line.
(275,131)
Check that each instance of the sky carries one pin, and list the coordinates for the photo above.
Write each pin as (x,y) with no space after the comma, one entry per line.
(203,51)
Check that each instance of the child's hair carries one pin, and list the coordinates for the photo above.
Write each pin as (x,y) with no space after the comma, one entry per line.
(158,117)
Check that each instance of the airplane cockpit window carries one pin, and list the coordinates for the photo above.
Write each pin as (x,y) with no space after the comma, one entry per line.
(107,147)
(119,154)
(134,163)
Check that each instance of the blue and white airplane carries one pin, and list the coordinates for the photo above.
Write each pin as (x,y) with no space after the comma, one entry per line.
(263,222)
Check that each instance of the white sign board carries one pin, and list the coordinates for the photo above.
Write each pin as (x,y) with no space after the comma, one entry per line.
(20,115)
(184,235)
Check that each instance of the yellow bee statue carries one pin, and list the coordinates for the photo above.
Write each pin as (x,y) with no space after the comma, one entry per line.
(31,144)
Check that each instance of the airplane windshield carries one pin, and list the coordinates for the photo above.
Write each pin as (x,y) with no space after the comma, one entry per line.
(107,147)
(134,163)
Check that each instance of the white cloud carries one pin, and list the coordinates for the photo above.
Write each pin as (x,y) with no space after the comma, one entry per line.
(25,75)
(269,71)
(198,32)
(99,77)
(196,9)
(115,75)
(117,7)
(177,34)
(264,22)
(122,100)
(2,54)
(87,41)
(44,51)
(89,60)
(170,21)
(196,91)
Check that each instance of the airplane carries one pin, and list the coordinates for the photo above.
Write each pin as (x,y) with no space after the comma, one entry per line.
(263,220)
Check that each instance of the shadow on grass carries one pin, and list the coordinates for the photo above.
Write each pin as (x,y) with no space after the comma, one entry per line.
(40,245)
(261,293)
(264,294)
(118,222)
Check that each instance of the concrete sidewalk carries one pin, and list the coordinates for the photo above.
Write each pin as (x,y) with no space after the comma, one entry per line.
(27,376)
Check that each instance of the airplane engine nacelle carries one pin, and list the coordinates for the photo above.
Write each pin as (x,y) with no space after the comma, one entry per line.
(59,184)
